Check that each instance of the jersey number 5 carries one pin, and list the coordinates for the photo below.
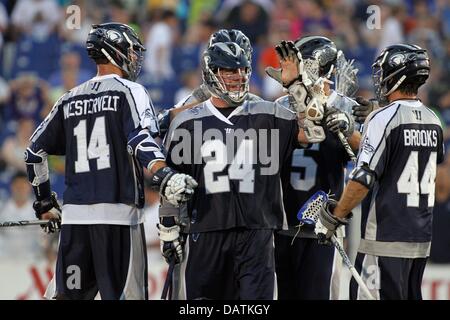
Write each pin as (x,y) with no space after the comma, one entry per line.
(301,162)
(409,180)
(98,147)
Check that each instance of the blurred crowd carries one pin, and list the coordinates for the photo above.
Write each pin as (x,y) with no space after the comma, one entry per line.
(42,55)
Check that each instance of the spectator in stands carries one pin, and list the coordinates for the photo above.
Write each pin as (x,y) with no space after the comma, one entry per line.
(69,75)
(159,43)
(90,14)
(28,99)
(251,19)
(3,23)
(14,146)
(37,18)
(392,31)
(190,80)
(315,19)
(20,242)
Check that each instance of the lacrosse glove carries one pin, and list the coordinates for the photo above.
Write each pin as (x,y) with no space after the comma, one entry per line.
(171,242)
(327,223)
(49,205)
(364,107)
(339,121)
(175,187)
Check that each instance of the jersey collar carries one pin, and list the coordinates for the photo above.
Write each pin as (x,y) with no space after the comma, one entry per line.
(219,115)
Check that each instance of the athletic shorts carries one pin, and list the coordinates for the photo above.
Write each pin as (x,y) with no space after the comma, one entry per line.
(389,278)
(231,264)
(306,270)
(106,259)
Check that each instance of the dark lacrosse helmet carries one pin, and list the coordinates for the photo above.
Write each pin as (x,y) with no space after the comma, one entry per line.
(233,35)
(226,72)
(398,65)
(320,48)
(118,44)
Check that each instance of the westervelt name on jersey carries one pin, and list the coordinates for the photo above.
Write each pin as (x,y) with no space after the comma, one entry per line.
(420,138)
(81,107)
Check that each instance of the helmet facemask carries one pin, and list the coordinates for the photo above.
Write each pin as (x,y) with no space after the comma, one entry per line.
(231,85)
(131,64)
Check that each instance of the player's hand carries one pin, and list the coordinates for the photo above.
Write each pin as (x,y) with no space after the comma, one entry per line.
(171,243)
(327,223)
(179,188)
(49,209)
(339,121)
(290,59)
(175,187)
(364,107)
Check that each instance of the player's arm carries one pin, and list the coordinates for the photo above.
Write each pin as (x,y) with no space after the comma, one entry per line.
(49,138)
(197,96)
(175,187)
(293,77)
(369,168)
(354,140)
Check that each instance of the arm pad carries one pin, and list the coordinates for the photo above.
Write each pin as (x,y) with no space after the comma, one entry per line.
(364,176)
(142,146)
(37,169)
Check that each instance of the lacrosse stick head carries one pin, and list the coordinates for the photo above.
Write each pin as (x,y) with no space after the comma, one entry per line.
(309,212)
(346,81)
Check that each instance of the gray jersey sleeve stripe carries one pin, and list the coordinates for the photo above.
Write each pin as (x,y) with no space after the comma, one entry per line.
(373,137)
(272,108)
(197,112)
(378,150)
(133,109)
(39,130)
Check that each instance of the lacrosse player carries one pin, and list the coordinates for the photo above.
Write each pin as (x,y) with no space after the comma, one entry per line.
(394,177)
(202,93)
(305,269)
(222,143)
(104,127)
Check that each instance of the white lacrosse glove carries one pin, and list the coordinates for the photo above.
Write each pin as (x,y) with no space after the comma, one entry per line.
(327,223)
(175,187)
(171,243)
(314,133)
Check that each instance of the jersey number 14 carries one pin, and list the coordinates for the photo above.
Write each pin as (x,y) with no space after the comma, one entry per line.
(98,147)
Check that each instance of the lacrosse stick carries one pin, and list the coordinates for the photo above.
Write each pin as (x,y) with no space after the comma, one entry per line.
(346,146)
(309,214)
(167,289)
(346,82)
(22,223)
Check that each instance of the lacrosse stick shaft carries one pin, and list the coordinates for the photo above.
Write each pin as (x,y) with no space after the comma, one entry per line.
(23,223)
(347,146)
(352,269)
(166,295)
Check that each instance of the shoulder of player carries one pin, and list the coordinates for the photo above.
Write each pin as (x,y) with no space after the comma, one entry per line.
(127,85)
(254,97)
(270,108)
(433,115)
(199,111)
(383,116)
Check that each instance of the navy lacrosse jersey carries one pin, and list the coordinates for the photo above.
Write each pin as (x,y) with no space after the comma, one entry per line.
(236,160)
(91,125)
(320,167)
(401,143)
